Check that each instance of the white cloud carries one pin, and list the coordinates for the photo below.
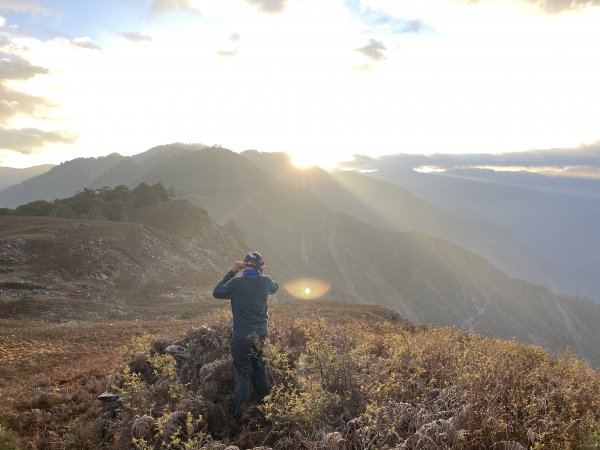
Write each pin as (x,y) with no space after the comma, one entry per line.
(557,6)
(493,76)
(269,6)
(168,6)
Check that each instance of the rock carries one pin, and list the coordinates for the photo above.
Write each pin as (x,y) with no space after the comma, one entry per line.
(110,399)
(111,402)
(178,351)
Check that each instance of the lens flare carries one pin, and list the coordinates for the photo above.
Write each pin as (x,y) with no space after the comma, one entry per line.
(307,288)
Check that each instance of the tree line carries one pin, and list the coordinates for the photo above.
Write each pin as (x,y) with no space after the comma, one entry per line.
(105,203)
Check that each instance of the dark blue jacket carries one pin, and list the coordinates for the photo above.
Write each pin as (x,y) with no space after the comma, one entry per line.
(248,296)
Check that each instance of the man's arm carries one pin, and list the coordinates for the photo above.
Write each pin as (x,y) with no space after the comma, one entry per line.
(273,286)
(223,289)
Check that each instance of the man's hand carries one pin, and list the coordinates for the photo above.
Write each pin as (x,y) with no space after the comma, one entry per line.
(237,266)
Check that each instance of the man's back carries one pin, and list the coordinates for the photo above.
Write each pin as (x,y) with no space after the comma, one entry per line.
(248,296)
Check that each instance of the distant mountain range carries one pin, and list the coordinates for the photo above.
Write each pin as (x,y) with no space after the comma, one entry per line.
(554,219)
(371,240)
(392,207)
(10,176)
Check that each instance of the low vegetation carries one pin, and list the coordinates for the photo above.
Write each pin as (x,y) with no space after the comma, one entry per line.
(350,377)
(105,203)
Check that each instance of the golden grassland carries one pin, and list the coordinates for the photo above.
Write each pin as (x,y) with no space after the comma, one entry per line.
(344,377)
(51,373)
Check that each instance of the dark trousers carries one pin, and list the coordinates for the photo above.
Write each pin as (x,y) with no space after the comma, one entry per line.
(249,368)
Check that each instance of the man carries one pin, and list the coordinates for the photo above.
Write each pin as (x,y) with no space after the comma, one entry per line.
(248,295)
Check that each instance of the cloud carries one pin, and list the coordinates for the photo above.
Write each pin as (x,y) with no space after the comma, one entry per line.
(374,50)
(169,6)
(14,102)
(269,6)
(135,36)
(29,140)
(86,42)
(14,67)
(563,158)
(557,6)
(376,19)
(23,6)
(411,26)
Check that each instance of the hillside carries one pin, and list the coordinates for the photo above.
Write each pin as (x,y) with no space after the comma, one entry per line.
(344,377)
(10,176)
(423,278)
(391,207)
(553,217)
(67,178)
(61,269)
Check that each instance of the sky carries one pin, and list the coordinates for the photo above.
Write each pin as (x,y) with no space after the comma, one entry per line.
(320,79)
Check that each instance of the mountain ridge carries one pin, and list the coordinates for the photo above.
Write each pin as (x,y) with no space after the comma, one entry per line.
(424,278)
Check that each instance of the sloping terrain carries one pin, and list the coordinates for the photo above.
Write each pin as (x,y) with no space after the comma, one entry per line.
(67,178)
(81,269)
(556,218)
(343,376)
(10,176)
(391,207)
(425,279)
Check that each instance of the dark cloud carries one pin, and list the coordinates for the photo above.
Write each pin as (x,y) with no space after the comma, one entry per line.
(30,140)
(374,50)
(168,6)
(269,6)
(14,67)
(561,158)
(14,102)
(135,36)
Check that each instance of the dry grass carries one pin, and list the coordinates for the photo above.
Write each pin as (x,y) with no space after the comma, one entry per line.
(51,374)
(349,377)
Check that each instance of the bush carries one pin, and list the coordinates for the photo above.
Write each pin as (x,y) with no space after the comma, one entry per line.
(358,386)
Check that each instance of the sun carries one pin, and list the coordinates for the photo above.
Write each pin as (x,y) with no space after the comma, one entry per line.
(302,160)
